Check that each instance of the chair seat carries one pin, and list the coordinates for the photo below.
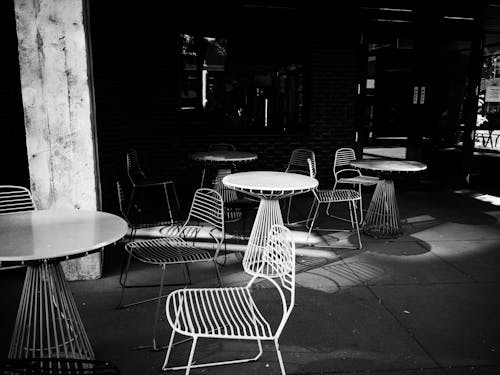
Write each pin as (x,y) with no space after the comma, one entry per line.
(338,195)
(218,312)
(167,250)
(363,180)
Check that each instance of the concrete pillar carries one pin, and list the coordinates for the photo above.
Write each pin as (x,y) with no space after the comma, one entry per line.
(60,136)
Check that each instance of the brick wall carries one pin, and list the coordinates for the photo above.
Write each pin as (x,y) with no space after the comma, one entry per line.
(136,84)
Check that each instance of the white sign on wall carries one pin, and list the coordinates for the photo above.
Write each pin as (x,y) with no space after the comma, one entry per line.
(492,94)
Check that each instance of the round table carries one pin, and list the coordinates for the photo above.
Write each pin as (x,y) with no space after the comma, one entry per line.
(48,324)
(223,160)
(269,187)
(382,219)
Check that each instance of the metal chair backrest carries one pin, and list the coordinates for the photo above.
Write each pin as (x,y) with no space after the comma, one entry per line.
(122,204)
(15,198)
(134,170)
(298,161)
(343,157)
(221,147)
(208,207)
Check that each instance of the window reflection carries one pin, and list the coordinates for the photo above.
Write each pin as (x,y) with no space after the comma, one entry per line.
(232,83)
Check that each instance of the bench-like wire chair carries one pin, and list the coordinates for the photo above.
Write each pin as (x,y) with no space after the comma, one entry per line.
(207,208)
(233,313)
(139,179)
(298,164)
(344,174)
(15,198)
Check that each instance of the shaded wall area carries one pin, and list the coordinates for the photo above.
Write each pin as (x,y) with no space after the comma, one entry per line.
(136,64)
(14,161)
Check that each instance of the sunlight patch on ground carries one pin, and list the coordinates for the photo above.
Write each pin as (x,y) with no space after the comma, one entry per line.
(488,198)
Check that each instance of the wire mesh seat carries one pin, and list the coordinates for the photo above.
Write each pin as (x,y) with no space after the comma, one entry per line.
(208,208)
(343,174)
(298,164)
(15,198)
(233,313)
(139,179)
(329,196)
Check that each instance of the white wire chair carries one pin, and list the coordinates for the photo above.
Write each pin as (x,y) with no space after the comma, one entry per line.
(15,198)
(334,195)
(298,164)
(139,179)
(232,313)
(343,174)
(208,208)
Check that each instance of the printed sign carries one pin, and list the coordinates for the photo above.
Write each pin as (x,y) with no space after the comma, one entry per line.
(492,94)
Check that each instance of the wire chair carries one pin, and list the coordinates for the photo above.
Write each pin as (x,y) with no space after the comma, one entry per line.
(330,196)
(343,174)
(139,180)
(298,164)
(208,208)
(15,198)
(136,218)
(232,313)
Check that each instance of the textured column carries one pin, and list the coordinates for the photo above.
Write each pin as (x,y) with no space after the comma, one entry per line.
(57,111)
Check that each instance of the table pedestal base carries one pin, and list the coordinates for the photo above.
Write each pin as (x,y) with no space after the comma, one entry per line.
(228,195)
(48,324)
(268,214)
(382,219)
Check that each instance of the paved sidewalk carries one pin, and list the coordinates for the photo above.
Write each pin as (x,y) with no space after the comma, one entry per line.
(426,303)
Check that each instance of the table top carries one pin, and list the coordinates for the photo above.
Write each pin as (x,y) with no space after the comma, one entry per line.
(223,156)
(49,234)
(387,165)
(270,181)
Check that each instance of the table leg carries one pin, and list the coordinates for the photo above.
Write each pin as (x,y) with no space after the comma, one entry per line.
(268,214)
(382,219)
(228,195)
(48,324)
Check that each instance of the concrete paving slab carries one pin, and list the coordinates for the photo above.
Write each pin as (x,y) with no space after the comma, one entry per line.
(457,324)
(480,260)
(392,263)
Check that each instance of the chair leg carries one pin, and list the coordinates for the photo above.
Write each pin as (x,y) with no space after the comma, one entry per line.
(288,210)
(168,204)
(280,358)
(176,197)
(131,200)
(158,304)
(357,225)
(313,221)
(169,350)
(217,271)
(191,355)
(124,282)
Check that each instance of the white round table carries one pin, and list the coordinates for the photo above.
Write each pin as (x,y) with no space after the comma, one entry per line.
(48,323)
(269,187)
(382,219)
(222,159)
